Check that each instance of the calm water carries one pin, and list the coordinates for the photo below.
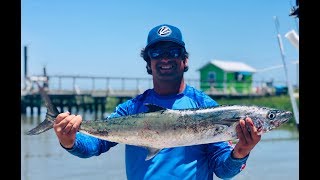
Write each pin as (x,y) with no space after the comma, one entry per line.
(276,157)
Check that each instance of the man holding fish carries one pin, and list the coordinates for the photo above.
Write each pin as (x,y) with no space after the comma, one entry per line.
(167,61)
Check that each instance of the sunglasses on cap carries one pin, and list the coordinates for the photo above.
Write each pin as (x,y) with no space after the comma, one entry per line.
(170,53)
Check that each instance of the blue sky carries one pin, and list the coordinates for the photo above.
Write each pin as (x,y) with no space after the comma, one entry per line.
(104,37)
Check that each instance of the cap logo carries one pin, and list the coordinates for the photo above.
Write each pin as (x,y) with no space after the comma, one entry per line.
(164,31)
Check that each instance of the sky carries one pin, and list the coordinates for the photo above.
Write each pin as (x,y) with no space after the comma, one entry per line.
(104,37)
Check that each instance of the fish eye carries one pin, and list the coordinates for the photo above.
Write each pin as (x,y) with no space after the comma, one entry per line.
(271,115)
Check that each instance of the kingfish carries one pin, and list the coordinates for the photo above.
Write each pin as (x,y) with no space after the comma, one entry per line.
(160,127)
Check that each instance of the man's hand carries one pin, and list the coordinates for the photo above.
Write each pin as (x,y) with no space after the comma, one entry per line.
(65,127)
(248,138)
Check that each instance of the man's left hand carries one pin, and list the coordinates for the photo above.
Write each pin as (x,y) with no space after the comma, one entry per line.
(248,137)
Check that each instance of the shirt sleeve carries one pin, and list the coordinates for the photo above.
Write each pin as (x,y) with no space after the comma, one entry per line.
(221,161)
(86,146)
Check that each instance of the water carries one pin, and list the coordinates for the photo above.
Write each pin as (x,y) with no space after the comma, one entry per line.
(276,157)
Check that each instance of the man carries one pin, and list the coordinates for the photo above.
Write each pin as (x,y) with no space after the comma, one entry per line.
(167,60)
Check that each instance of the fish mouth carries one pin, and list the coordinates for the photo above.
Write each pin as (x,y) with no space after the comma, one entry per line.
(286,116)
(278,123)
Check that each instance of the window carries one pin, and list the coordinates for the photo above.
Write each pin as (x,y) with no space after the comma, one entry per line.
(212,77)
(239,76)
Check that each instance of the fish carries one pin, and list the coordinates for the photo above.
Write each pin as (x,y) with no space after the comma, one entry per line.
(160,127)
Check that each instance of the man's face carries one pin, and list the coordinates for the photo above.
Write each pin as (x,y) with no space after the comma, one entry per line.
(166,60)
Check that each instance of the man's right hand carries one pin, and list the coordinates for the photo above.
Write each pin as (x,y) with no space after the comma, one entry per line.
(66,127)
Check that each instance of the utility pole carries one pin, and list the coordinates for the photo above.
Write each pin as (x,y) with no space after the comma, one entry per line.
(292,98)
(25,66)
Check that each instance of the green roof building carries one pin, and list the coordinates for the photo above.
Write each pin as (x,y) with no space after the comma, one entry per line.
(228,77)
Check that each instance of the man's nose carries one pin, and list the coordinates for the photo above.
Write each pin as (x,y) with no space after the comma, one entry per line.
(165,59)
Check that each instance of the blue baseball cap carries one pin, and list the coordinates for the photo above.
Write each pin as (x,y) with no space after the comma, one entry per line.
(165,32)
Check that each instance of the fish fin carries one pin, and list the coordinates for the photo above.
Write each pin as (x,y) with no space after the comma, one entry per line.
(152,152)
(51,114)
(42,127)
(51,108)
(153,107)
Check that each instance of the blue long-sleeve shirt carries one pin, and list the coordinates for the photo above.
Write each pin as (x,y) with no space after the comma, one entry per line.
(188,162)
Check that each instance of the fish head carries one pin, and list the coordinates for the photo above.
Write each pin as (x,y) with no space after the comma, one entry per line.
(268,119)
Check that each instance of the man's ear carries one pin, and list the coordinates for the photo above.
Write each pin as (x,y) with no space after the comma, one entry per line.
(186,67)
(185,62)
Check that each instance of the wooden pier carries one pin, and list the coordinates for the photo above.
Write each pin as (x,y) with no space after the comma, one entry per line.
(93,102)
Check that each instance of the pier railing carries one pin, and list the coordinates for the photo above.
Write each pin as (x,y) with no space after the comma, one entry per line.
(94,85)
(131,86)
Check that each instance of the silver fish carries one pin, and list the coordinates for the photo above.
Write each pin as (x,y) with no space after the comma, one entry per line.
(160,127)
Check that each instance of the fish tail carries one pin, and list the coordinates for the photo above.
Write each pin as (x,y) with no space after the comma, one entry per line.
(42,127)
(51,115)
